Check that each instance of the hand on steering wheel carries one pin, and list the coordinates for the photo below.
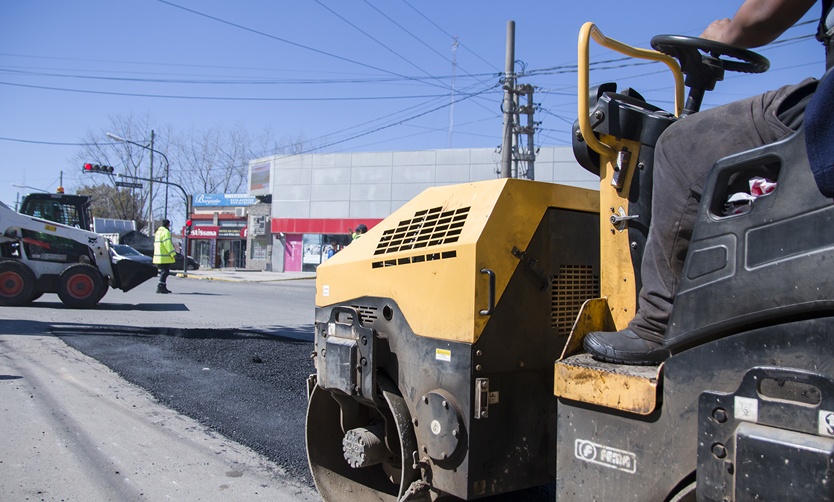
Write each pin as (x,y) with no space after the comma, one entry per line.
(688,50)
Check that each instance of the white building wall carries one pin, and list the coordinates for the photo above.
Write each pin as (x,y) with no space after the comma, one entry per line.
(374,184)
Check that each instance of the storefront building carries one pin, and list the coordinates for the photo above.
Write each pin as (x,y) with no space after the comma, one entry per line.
(317,199)
(219,230)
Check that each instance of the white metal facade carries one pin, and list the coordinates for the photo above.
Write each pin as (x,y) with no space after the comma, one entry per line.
(373,185)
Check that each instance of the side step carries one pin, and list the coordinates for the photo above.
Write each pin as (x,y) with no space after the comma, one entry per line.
(628,388)
(579,377)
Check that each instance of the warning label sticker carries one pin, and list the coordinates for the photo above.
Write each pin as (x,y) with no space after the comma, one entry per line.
(443,355)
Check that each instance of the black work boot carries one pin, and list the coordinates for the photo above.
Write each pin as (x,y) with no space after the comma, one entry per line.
(625,347)
(162,289)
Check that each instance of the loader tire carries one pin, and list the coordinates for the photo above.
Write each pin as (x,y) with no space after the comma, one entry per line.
(81,286)
(17,284)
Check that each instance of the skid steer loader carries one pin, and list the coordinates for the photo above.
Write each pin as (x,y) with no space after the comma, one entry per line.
(448,339)
(39,255)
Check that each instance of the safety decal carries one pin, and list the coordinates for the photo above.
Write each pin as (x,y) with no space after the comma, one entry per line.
(443,355)
(325,290)
(826,423)
(605,455)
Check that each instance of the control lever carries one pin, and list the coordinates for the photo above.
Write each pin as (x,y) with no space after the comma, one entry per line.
(620,220)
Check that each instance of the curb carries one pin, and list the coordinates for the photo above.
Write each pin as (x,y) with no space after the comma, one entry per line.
(224,279)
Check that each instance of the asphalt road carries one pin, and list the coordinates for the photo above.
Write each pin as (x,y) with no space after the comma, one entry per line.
(226,363)
(196,395)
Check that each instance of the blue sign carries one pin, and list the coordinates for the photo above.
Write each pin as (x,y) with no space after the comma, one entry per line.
(224,199)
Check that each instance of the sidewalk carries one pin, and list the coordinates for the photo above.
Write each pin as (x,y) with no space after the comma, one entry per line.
(243,275)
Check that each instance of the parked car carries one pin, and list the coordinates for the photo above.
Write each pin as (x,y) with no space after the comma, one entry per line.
(125,252)
(192,263)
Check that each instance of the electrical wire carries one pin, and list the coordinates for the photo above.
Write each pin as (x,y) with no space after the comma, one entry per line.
(450,36)
(235,81)
(224,98)
(380,43)
(279,39)
(419,39)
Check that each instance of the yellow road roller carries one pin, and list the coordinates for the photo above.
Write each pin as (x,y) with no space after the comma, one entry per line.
(448,339)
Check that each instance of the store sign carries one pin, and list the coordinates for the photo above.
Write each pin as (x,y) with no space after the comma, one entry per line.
(226,232)
(259,177)
(204,232)
(223,199)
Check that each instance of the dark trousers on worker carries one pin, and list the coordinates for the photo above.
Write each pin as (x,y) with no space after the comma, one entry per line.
(164,272)
(685,153)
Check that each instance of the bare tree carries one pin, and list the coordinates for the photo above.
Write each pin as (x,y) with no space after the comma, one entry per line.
(110,202)
(213,160)
(128,159)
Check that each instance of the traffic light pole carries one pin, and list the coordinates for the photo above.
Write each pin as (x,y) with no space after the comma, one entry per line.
(151,180)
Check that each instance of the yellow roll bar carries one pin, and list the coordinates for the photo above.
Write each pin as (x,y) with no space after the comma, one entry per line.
(589,30)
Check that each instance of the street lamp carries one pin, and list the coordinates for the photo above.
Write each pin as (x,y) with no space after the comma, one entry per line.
(150,184)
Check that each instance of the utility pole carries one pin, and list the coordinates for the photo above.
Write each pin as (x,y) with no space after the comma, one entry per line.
(509,102)
(452,104)
(150,193)
(512,151)
(525,154)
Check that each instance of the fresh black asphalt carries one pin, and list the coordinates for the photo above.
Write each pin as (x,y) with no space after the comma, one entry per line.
(249,386)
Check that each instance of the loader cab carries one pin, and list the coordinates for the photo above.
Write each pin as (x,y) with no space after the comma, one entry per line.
(69,210)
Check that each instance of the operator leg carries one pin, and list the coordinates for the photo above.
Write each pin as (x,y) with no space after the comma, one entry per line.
(685,153)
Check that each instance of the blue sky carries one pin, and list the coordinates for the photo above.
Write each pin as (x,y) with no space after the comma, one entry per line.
(346,75)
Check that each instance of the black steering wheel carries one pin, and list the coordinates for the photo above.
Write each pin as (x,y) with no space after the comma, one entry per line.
(703,62)
(688,51)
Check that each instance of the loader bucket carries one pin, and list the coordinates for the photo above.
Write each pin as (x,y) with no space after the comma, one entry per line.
(130,274)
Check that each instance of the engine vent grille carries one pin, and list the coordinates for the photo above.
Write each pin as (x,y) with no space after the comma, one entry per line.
(419,258)
(571,288)
(367,315)
(429,227)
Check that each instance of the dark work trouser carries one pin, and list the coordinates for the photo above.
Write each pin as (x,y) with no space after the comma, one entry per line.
(685,153)
(164,272)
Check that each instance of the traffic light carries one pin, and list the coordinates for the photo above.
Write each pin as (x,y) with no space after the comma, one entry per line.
(188,224)
(96,168)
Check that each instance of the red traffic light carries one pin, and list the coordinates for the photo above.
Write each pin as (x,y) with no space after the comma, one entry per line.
(188,224)
(96,168)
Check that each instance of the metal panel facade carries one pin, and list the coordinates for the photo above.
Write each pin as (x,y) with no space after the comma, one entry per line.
(374,184)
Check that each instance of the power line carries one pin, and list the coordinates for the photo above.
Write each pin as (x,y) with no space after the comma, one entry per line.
(220,98)
(51,143)
(279,39)
(383,45)
(399,121)
(450,35)
(177,65)
(386,126)
(419,39)
(236,81)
